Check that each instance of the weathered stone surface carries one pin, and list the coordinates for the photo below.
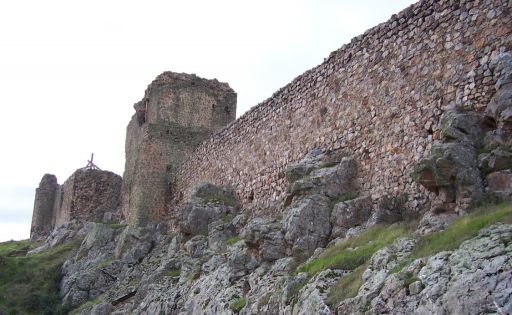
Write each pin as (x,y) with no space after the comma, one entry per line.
(391,210)
(239,261)
(134,244)
(500,106)
(497,160)
(435,222)
(331,181)
(306,224)
(500,183)
(209,204)
(350,213)
(451,167)
(266,235)
(87,195)
(473,279)
(462,127)
(196,246)
(218,233)
(92,270)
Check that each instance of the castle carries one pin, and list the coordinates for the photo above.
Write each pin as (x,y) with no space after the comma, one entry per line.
(379,98)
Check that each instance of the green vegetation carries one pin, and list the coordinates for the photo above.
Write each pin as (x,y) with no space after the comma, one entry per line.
(30,284)
(409,278)
(12,248)
(328,164)
(227,218)
(346,287)
(104,263)
(238,304)
(345,197)
(176,272)
(462,229)
(379,236)
(356,251)
(117,226)
(232,240)
(87,305)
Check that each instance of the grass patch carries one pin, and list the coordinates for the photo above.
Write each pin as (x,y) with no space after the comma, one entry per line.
(346,287)
(328,164)
(175,273)
(409,278)
(463,229)
(116,226)
(227,218)
(12,248)
(104,263)
(343,198)
(232,240)
(30,284)
(87,305)
(354,252)
(238,304)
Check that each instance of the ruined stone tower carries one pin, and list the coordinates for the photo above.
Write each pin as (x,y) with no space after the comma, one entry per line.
(87,195)
(42,215)
(177,113)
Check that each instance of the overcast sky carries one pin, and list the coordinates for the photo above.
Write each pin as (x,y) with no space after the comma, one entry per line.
(70,71)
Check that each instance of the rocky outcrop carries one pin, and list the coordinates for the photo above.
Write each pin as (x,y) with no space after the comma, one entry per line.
(473,159)
(474,279)
(187,276)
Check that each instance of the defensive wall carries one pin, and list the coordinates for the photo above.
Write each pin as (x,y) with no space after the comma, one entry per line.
(379,98)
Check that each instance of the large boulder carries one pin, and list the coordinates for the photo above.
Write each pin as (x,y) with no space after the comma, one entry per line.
(451,167)
(500,184)
(135,243)
(266,235)
(330,181)
(350,213)
(209,203)
(307,224)
(497,160)
(462,127)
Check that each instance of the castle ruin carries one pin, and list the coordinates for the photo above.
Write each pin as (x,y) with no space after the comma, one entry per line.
(87,195)
(379,98)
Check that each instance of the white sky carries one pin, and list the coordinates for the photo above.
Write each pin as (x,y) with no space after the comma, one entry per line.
(70,71)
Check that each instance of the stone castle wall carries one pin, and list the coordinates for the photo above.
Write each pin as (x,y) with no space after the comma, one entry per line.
(379,98)
(178,112)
